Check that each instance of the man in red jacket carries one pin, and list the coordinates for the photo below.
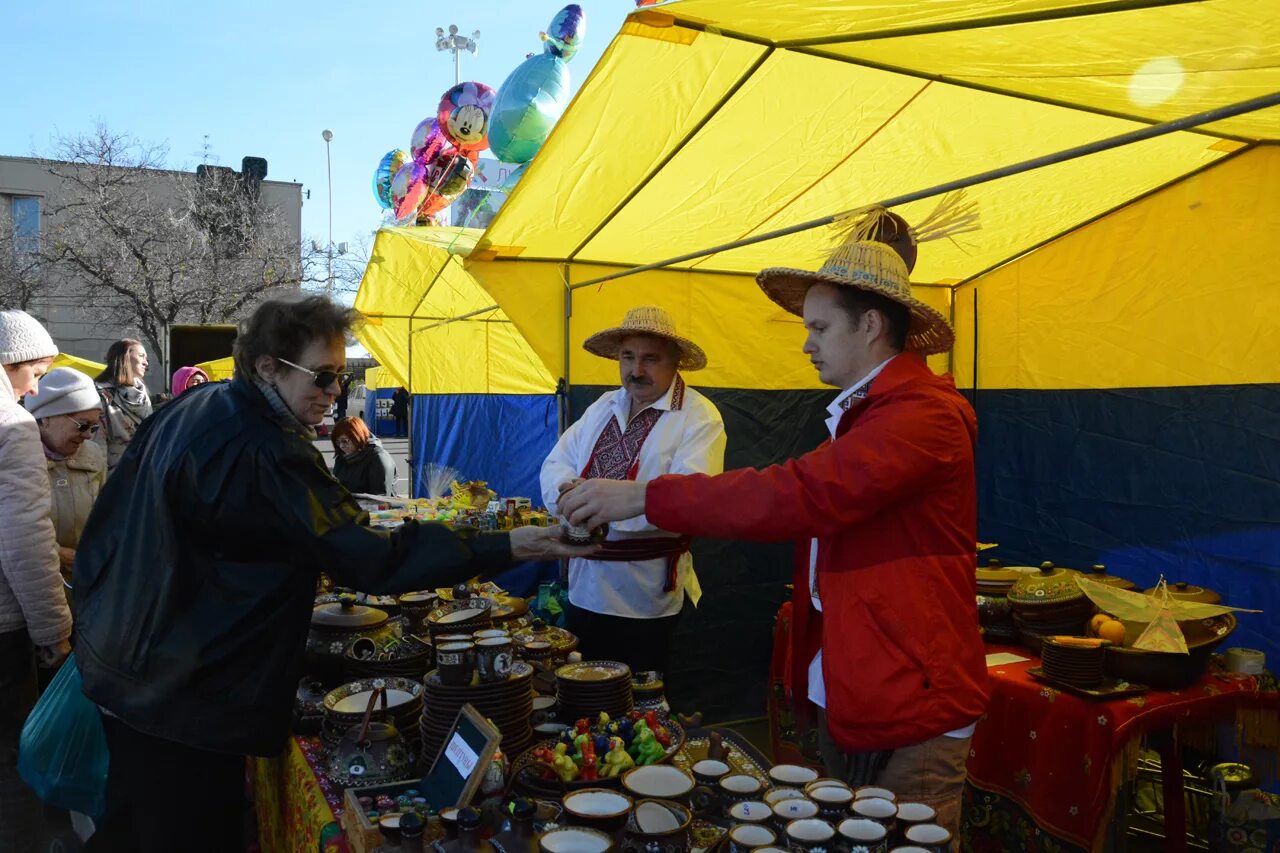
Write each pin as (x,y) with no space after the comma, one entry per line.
(885,513)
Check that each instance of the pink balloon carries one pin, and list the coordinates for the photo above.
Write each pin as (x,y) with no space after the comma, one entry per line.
(408,189)
(427,141)
(463,116)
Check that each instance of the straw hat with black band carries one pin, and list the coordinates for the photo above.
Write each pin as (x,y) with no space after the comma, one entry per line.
(875,252)
(646,320)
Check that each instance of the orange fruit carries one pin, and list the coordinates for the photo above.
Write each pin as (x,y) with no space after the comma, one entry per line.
(1097,622)
(1113,631)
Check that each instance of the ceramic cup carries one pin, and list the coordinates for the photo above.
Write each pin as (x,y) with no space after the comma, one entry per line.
(739,787)
(872,791)
(833,803)
(859,833)
(769,848)
(881,811)
(449,820)
(777,795)
(750,811)
(791,775)
(910,814)
(748,836)
(575,839)
(455,663)
(789,810)
(493,658)
(599,808)
(488,633)
(826,782)
(930,836)
(809,834)
(710,772)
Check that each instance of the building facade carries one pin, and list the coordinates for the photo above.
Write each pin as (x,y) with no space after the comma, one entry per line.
(29,193)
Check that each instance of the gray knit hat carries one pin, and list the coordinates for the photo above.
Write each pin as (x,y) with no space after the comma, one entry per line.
(63,391)
(22,338)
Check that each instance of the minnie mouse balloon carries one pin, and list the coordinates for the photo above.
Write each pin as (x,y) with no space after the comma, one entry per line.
(463,116)
(387,168)
(427,141)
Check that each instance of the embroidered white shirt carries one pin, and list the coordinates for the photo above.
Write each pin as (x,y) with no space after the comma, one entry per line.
(689,440)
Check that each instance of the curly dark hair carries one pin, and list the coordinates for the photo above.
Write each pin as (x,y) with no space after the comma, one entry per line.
(284,327)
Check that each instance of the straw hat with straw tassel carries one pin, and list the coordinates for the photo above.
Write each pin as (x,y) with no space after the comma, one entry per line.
(875,251)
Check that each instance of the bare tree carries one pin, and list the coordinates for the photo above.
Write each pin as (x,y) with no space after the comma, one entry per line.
(22,276)
(150,247)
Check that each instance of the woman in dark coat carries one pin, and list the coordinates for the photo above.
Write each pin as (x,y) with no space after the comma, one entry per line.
(400,410)
(196,575)
(360,462)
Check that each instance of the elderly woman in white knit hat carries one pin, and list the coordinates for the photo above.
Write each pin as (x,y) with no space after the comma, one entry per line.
(69,413)
(35,621)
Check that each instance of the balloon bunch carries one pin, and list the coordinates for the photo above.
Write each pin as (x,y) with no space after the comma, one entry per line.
(533,97)
(417,184)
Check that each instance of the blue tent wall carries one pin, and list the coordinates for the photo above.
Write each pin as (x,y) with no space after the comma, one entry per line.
(499,438)
(379,426)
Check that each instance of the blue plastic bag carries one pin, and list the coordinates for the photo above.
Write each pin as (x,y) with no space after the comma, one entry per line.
(63,754)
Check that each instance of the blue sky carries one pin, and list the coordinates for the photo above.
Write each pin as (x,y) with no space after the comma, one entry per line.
(264,79)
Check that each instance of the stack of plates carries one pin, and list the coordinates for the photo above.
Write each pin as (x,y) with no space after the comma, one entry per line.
(461,617)
(508,704)
(345,706)
(1073,665)
(587,688)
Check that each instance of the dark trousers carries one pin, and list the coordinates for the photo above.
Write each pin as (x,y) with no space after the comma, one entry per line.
(21,814)
(163,796)
(642,644)
(402,426)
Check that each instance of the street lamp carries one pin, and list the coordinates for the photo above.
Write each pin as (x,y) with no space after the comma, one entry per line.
(327,135)
(456,43)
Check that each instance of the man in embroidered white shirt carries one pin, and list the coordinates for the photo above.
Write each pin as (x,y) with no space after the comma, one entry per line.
(625,600)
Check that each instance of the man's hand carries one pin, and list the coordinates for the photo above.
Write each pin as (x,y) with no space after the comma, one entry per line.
(66,556)
(543,543)
(596,502)
(570,484)
(51,657)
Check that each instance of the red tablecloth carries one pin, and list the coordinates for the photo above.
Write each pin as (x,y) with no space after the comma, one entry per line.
(1062,757)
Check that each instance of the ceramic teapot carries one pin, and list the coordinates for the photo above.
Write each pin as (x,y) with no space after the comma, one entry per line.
(372,753)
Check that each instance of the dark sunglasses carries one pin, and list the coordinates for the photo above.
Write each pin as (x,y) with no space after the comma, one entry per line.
(90,428)
(323,378)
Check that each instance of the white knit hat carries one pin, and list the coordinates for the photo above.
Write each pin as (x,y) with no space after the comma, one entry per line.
(22,338)
(63,391)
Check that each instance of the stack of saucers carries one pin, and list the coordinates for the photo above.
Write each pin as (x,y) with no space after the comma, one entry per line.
(507,704)
(1078,666)
(588,688)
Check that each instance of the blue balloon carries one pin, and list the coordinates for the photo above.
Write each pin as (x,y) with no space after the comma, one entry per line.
(387,168)
(530,102)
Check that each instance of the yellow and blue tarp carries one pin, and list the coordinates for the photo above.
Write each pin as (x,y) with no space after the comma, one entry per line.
(1115,315)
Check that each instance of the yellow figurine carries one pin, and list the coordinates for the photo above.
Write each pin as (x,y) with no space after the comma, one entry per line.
(617,761)
(563,764)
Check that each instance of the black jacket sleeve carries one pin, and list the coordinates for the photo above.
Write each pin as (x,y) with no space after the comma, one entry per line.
(320,522)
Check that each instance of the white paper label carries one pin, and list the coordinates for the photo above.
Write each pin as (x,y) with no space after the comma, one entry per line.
(997,658)
(461,755)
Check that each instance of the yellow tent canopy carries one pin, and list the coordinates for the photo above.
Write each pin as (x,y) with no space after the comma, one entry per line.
(84,365)
(381,377)
(219,369)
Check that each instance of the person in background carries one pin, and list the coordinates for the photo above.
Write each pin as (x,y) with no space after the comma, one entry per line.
(196,575)
(35,621)
(361,463)
(125,403)
(186,378)
(341,405)
(69,412)
(400,411)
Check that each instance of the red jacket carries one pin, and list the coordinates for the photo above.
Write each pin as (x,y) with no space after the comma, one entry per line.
(892,501)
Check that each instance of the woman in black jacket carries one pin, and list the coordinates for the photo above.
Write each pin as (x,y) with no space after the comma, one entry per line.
(360,461)
(196,574)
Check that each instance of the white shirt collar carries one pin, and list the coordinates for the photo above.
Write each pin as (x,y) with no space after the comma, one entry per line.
(622,401)
(838,405)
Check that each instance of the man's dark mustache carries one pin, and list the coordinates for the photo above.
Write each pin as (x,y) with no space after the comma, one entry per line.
(639,380)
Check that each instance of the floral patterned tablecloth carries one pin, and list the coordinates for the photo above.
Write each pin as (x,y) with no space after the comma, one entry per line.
(1044,762)
(297,808)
